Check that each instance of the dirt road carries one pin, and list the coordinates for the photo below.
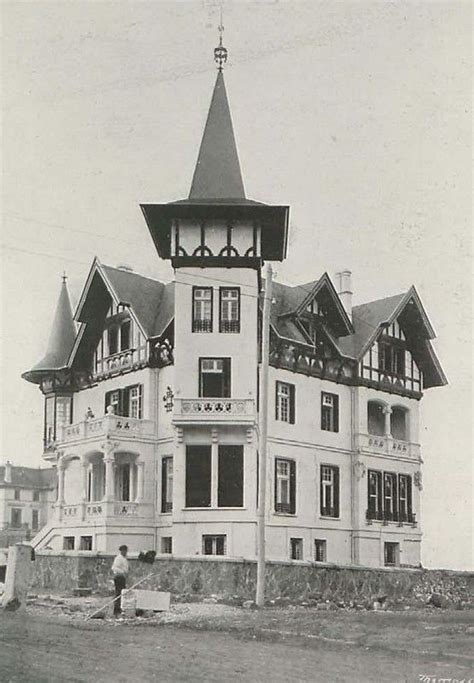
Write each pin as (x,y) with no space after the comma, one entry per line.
(38,648)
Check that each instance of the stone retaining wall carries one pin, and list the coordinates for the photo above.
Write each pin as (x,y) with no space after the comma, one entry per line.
(235,579)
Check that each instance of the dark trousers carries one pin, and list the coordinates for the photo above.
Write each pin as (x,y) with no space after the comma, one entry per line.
(119,583)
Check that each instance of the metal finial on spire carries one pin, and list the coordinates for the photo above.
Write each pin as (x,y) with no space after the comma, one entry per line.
(220,52)
(64,276)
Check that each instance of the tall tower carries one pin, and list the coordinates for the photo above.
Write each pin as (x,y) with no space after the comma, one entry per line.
(217,240)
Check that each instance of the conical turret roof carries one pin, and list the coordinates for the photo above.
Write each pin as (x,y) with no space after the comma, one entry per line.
(217,174)
(61,339)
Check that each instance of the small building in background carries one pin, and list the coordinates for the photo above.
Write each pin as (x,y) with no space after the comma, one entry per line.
(27,496)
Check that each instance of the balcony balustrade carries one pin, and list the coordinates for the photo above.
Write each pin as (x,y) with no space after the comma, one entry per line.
(214,410)
(385,517)
(387,445)
(113,425)
(98,510)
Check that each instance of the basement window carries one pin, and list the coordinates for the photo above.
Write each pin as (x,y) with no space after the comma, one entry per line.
(167,545)
(85,543)
(214,545)
(296,548)
(68,542)
(320,550)
(391,554)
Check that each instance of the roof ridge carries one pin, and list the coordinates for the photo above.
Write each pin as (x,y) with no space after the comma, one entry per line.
(135,272)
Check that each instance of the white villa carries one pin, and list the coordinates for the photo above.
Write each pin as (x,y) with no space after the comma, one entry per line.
(152,394)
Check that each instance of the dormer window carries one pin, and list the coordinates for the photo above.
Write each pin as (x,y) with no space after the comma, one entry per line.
(392,358)
(119,337)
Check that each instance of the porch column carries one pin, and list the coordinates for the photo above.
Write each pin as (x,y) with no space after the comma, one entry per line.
(140,481)
(109,460)
(61,471)
(387,411)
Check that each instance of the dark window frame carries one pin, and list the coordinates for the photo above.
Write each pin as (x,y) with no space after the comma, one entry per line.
(216,542)
(226,375)
(123,401)
(201,498)
(296,548)
(390,560)
(166,545)
(229,326)
(376,502)
(166,503)
(330,414)
(320,550)
(279,413)
(332,511)
(86,541)
(233,487)
(280,507)
(198,324)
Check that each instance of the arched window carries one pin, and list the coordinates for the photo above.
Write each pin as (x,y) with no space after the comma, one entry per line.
(376,418)
(399,423)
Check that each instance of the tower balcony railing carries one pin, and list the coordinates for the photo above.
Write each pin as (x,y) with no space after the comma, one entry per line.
(214,410)
(109,425)
(387,445)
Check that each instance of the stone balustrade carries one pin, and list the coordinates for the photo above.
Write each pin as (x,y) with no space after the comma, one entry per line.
(387,445)
(113,425)
(212,410)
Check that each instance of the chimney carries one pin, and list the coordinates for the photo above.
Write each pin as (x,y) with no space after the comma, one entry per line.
(344,289)
(8,472)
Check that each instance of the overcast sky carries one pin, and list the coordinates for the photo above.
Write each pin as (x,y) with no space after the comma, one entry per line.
(357,114)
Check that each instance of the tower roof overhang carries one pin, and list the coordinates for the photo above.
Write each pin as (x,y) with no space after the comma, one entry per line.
(273,221)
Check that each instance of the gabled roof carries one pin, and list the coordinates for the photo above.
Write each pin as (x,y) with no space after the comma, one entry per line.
(29,477)
(217,174)
(61,340)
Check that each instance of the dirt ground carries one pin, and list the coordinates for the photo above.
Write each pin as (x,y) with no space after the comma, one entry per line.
(51,641)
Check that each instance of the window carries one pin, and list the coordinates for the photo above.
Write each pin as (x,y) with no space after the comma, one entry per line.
(404,498)
(202,309)
(329,412)
(34,519)
(17,494)
(329,491)
(68,542)
(167,545)
(319,550)
(229,320)
(285,486)
(113,340)
(391,554)
(374,488)
(36,496)
(16,517)
(85,543)
(398,423)
(167,484)
(125,478)
(127,402)
(214,377)
(214,545)
(296,548)
(125,330)
(230,491)
(391,358)
(375,418)
(390,496)
(58,413)
(198,476)
(285,402)
(119,337)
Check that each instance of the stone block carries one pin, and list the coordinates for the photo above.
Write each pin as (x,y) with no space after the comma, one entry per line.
(155,601)
(18,577)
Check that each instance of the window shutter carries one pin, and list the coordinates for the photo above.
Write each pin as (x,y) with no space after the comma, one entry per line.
(124,402)
(292,487)
(292,404)
(163,484)
(107,401)
(227,380)
(336,492)
(275,487)
(276,400)
(336,413)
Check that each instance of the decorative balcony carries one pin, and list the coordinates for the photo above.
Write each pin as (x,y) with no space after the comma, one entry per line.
(387,445)
(214,410)
(98,510)
(109,425)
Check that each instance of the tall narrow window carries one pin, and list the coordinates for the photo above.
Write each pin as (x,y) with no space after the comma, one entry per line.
(329,412)
(198,476)
(123,487)
(135,401)
(34,519)
(113,339)
(398,423)
(230,491)
(404,498)
(167,484)
(319,550)
(285,486)
(229,319)
(390,496)
(296,548)
(374,493)
(125,335)
(16,517)
(285,402)
(391,554)
(329,491)
(375,418)
(214,377)
(202,309)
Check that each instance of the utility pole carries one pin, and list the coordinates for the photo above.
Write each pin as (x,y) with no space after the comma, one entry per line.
(263,428)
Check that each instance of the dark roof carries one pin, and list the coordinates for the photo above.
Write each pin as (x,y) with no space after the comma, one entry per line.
(29,477)
(217,174)
(61,339)
(366,320)
(152,301)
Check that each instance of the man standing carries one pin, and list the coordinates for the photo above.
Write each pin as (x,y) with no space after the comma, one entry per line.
(120,572)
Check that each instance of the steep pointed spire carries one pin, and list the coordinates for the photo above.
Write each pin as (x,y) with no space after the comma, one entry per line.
(61,339)
(217,174)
